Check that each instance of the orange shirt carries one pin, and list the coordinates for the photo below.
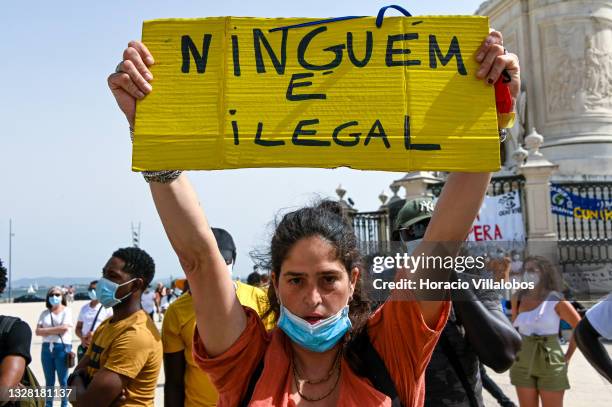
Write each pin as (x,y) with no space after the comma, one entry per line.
(397,331)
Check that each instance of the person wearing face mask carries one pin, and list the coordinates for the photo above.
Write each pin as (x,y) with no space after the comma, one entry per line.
(55,326)
(148,301)
(327,342)
(122,363)
(477,332)
(516,264)
(90,317)
(189,385)
(540,370)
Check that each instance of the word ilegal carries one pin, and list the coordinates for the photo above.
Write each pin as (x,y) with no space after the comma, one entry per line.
(341,136)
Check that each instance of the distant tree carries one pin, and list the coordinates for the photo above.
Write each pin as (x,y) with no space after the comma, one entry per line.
(2,277)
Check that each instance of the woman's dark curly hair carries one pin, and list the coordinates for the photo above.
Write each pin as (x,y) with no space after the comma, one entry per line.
(325,220)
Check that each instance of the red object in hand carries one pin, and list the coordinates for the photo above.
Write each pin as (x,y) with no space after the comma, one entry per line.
(503,97)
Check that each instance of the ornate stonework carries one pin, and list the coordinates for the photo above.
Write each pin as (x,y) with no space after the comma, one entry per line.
(565,48)
(580,62)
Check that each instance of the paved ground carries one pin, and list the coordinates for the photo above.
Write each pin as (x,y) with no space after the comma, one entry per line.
(588,388)
(30,312)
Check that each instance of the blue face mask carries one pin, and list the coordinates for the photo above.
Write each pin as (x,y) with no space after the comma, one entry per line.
(92,294)
(319,337)
(106,290)
(53,300)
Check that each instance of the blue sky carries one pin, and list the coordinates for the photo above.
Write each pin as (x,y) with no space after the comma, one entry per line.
(65,154)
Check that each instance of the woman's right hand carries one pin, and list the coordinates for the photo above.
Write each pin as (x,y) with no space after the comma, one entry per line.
(131,80)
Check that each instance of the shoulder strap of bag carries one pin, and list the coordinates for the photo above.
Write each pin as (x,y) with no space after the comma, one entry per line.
(452,357)
(252,382)
(91,329)
(375,369)
(29,381)
(52,324)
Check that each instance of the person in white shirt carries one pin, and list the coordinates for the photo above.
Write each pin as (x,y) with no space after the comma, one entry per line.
(597,324)
(147,301)
(54,325)
(90,317)
(540,369)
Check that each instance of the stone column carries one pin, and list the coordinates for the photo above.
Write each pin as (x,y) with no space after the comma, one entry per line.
(346,207)
(415,183)
(565,48)
(384,229)
(541,226)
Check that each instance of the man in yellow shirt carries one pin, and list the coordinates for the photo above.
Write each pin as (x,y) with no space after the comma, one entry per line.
(122,364)
(188,385)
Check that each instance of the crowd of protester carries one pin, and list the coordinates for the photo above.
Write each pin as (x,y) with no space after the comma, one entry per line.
(121,351)
(303,330)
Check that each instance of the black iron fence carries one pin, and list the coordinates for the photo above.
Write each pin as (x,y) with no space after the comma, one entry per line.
(373,229)
(584,228)
(584,232)
(498,186)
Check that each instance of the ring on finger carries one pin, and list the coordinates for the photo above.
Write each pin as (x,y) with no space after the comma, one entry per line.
(118,68)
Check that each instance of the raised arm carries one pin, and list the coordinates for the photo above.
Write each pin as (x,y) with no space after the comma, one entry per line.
(185,223)
(463,193)
(214,297)
(450,224)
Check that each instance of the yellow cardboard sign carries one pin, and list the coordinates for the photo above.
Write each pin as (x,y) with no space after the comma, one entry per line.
(286,92)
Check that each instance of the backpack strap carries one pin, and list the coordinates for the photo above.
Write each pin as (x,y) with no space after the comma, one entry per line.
(91,329)
(53,325)
(252,382)
(373,367)
(452,357)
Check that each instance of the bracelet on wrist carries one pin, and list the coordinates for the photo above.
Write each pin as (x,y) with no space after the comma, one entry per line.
(162,177)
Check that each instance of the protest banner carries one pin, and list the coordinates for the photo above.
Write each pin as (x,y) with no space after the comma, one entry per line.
(500,219)
(293,92)
(566,203)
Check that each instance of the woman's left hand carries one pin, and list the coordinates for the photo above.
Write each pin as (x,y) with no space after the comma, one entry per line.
(494,59)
